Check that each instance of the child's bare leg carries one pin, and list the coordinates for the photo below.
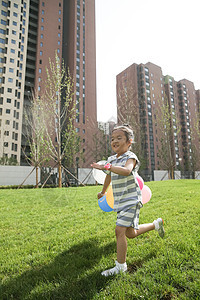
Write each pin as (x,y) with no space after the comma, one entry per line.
(132,233)
(121,243)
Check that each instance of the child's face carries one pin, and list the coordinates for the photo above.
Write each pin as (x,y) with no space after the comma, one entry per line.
(119,142)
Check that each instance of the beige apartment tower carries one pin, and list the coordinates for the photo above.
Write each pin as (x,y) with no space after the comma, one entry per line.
(30,33)
(13,51)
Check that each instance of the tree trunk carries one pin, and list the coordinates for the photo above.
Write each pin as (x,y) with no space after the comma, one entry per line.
(36,178)
(172,172)
(59,175)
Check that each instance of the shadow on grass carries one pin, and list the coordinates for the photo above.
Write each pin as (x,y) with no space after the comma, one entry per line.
(72,275)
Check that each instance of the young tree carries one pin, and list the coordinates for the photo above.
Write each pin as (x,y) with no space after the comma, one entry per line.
(60,114)
(128,112)
(195,138)
(35,134)
(101,145)
(168,130)
(5,161)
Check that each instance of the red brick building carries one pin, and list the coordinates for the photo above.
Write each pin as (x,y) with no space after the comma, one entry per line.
(147,88)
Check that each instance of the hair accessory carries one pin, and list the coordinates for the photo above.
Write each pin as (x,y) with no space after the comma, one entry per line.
(107,166)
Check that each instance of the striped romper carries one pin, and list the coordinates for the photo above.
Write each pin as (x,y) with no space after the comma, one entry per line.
(126,192)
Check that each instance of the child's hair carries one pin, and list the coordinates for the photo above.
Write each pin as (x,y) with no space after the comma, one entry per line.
(127,131)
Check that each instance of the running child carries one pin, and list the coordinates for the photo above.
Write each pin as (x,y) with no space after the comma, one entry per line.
(122,169)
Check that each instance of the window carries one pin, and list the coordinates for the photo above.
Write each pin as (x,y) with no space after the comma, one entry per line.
(13,41)
(43,12)
(14,14)
(40,53)
(14,23)
(2,31)
(15,5)
(4,3)
(12,60)
(11,70)
(4,13)
(8,100)
(2,41)
(7,111)
(14,147)
(41,36)
(42,28)
(9,90)
(14,32)
(40,71)
(41,44)
(3,22)
(10,79)
(42,20)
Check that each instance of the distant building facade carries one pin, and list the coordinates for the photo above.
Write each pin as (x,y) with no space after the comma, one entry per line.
(149,87)
(30,33)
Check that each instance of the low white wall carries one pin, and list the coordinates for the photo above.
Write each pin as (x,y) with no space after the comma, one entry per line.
(160,175)
(177,174)
(15,175)
(163,175)
(85,176)
(197,174)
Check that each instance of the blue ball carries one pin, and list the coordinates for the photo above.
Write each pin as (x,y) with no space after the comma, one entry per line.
(104,205)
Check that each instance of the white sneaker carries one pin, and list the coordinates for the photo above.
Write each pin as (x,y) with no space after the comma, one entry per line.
(119,268)
(159,227)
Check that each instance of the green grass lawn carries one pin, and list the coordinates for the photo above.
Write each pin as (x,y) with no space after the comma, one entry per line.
(54,243)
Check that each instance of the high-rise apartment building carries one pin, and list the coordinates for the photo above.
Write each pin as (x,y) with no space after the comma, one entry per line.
(147,88)
(13,45)
(30,33)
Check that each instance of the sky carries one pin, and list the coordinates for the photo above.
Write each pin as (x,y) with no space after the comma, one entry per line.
(166,33)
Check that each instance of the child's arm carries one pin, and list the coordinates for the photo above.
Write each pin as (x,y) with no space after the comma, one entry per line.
(126,170)
(105,186)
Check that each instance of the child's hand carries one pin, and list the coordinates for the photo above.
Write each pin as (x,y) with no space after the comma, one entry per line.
(99,195)
(97,166)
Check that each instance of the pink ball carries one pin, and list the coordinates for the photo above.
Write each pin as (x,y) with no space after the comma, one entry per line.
(146,194)
(140,181)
